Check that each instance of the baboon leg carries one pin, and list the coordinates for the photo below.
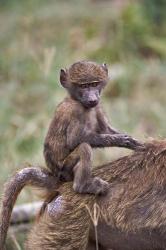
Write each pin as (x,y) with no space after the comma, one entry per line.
(81,158)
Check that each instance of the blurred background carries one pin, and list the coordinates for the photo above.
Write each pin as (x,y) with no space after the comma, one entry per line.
(39,37)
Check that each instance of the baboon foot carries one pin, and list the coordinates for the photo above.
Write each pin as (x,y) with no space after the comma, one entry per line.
(94,185)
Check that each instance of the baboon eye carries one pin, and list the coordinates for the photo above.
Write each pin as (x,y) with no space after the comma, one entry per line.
(94,84)
(87,85)
(84,86)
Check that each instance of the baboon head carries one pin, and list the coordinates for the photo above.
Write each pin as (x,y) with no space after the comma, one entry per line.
(84,81)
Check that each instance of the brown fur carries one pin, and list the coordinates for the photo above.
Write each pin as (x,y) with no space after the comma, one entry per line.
(74,131)
(83,72)
(80,125)
(132,215)
(32,176)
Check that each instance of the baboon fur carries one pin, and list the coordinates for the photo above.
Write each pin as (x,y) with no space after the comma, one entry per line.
(132,214)
(79,125)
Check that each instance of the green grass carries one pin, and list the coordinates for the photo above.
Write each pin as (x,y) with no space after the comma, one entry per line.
(37,38)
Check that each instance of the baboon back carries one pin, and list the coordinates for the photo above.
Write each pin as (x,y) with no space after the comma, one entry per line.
(132,214)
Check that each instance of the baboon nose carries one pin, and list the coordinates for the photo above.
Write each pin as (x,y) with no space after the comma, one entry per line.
(93,103)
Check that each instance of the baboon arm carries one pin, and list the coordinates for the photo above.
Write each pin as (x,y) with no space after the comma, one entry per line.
(108,140)
(28,176)
(103,123)
(112,130)
(110,136)
(75,134)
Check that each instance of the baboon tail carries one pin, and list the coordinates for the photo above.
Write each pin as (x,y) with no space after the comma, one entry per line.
(32,176)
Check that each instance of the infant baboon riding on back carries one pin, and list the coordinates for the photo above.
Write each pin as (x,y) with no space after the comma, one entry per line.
(80,125)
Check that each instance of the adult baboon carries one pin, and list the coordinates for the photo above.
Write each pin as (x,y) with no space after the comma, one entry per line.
(132,214)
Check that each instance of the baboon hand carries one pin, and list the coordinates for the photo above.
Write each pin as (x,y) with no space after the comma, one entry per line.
(129,142)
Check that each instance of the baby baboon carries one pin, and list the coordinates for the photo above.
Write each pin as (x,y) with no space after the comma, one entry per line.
(132,214)
(80,125)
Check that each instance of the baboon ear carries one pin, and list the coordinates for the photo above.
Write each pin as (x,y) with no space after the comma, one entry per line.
(64,77)
(104,66)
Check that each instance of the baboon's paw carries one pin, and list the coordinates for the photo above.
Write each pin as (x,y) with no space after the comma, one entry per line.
(95,186)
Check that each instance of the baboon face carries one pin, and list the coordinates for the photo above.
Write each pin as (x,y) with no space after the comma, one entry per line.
(88,94)
(85,81)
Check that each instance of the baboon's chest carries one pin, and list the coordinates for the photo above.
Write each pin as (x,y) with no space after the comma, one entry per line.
(91,121)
